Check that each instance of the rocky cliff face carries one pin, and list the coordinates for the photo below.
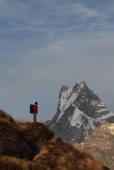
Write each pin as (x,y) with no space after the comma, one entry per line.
(32,146)
(79,113)
(101,144)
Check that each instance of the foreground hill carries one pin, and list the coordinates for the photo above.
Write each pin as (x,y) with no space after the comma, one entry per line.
(101,144)
(80,111)
(32,146)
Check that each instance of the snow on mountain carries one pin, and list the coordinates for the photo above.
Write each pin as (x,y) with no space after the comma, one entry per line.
(79,113)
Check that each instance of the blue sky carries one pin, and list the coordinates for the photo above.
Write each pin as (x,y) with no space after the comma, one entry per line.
(45,44)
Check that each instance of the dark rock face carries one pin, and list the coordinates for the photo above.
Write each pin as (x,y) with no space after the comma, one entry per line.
(79,113)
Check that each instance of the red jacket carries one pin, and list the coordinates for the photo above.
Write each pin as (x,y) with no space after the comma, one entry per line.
(35,108)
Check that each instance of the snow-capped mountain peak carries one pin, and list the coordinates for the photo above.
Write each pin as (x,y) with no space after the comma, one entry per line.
(80,84)
(68,95)
(79,112)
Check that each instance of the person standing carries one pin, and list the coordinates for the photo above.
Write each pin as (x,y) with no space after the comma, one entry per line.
(35,109)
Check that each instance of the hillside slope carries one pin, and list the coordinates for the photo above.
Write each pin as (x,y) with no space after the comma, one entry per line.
(32,146)
(101,144)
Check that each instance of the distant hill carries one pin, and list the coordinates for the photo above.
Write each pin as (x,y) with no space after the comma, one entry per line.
(32,146)
(80,111)
(101,144)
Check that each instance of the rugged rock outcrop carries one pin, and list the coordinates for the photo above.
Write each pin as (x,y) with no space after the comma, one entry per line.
(79,113)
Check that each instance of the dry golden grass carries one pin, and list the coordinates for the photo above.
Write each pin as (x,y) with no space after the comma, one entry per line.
(6,116)
(11,163)
(59,155)
(35,132)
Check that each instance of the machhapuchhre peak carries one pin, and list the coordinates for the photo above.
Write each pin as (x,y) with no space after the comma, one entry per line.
(80,111)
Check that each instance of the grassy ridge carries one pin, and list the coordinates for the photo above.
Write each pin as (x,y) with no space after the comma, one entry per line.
(32,146)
